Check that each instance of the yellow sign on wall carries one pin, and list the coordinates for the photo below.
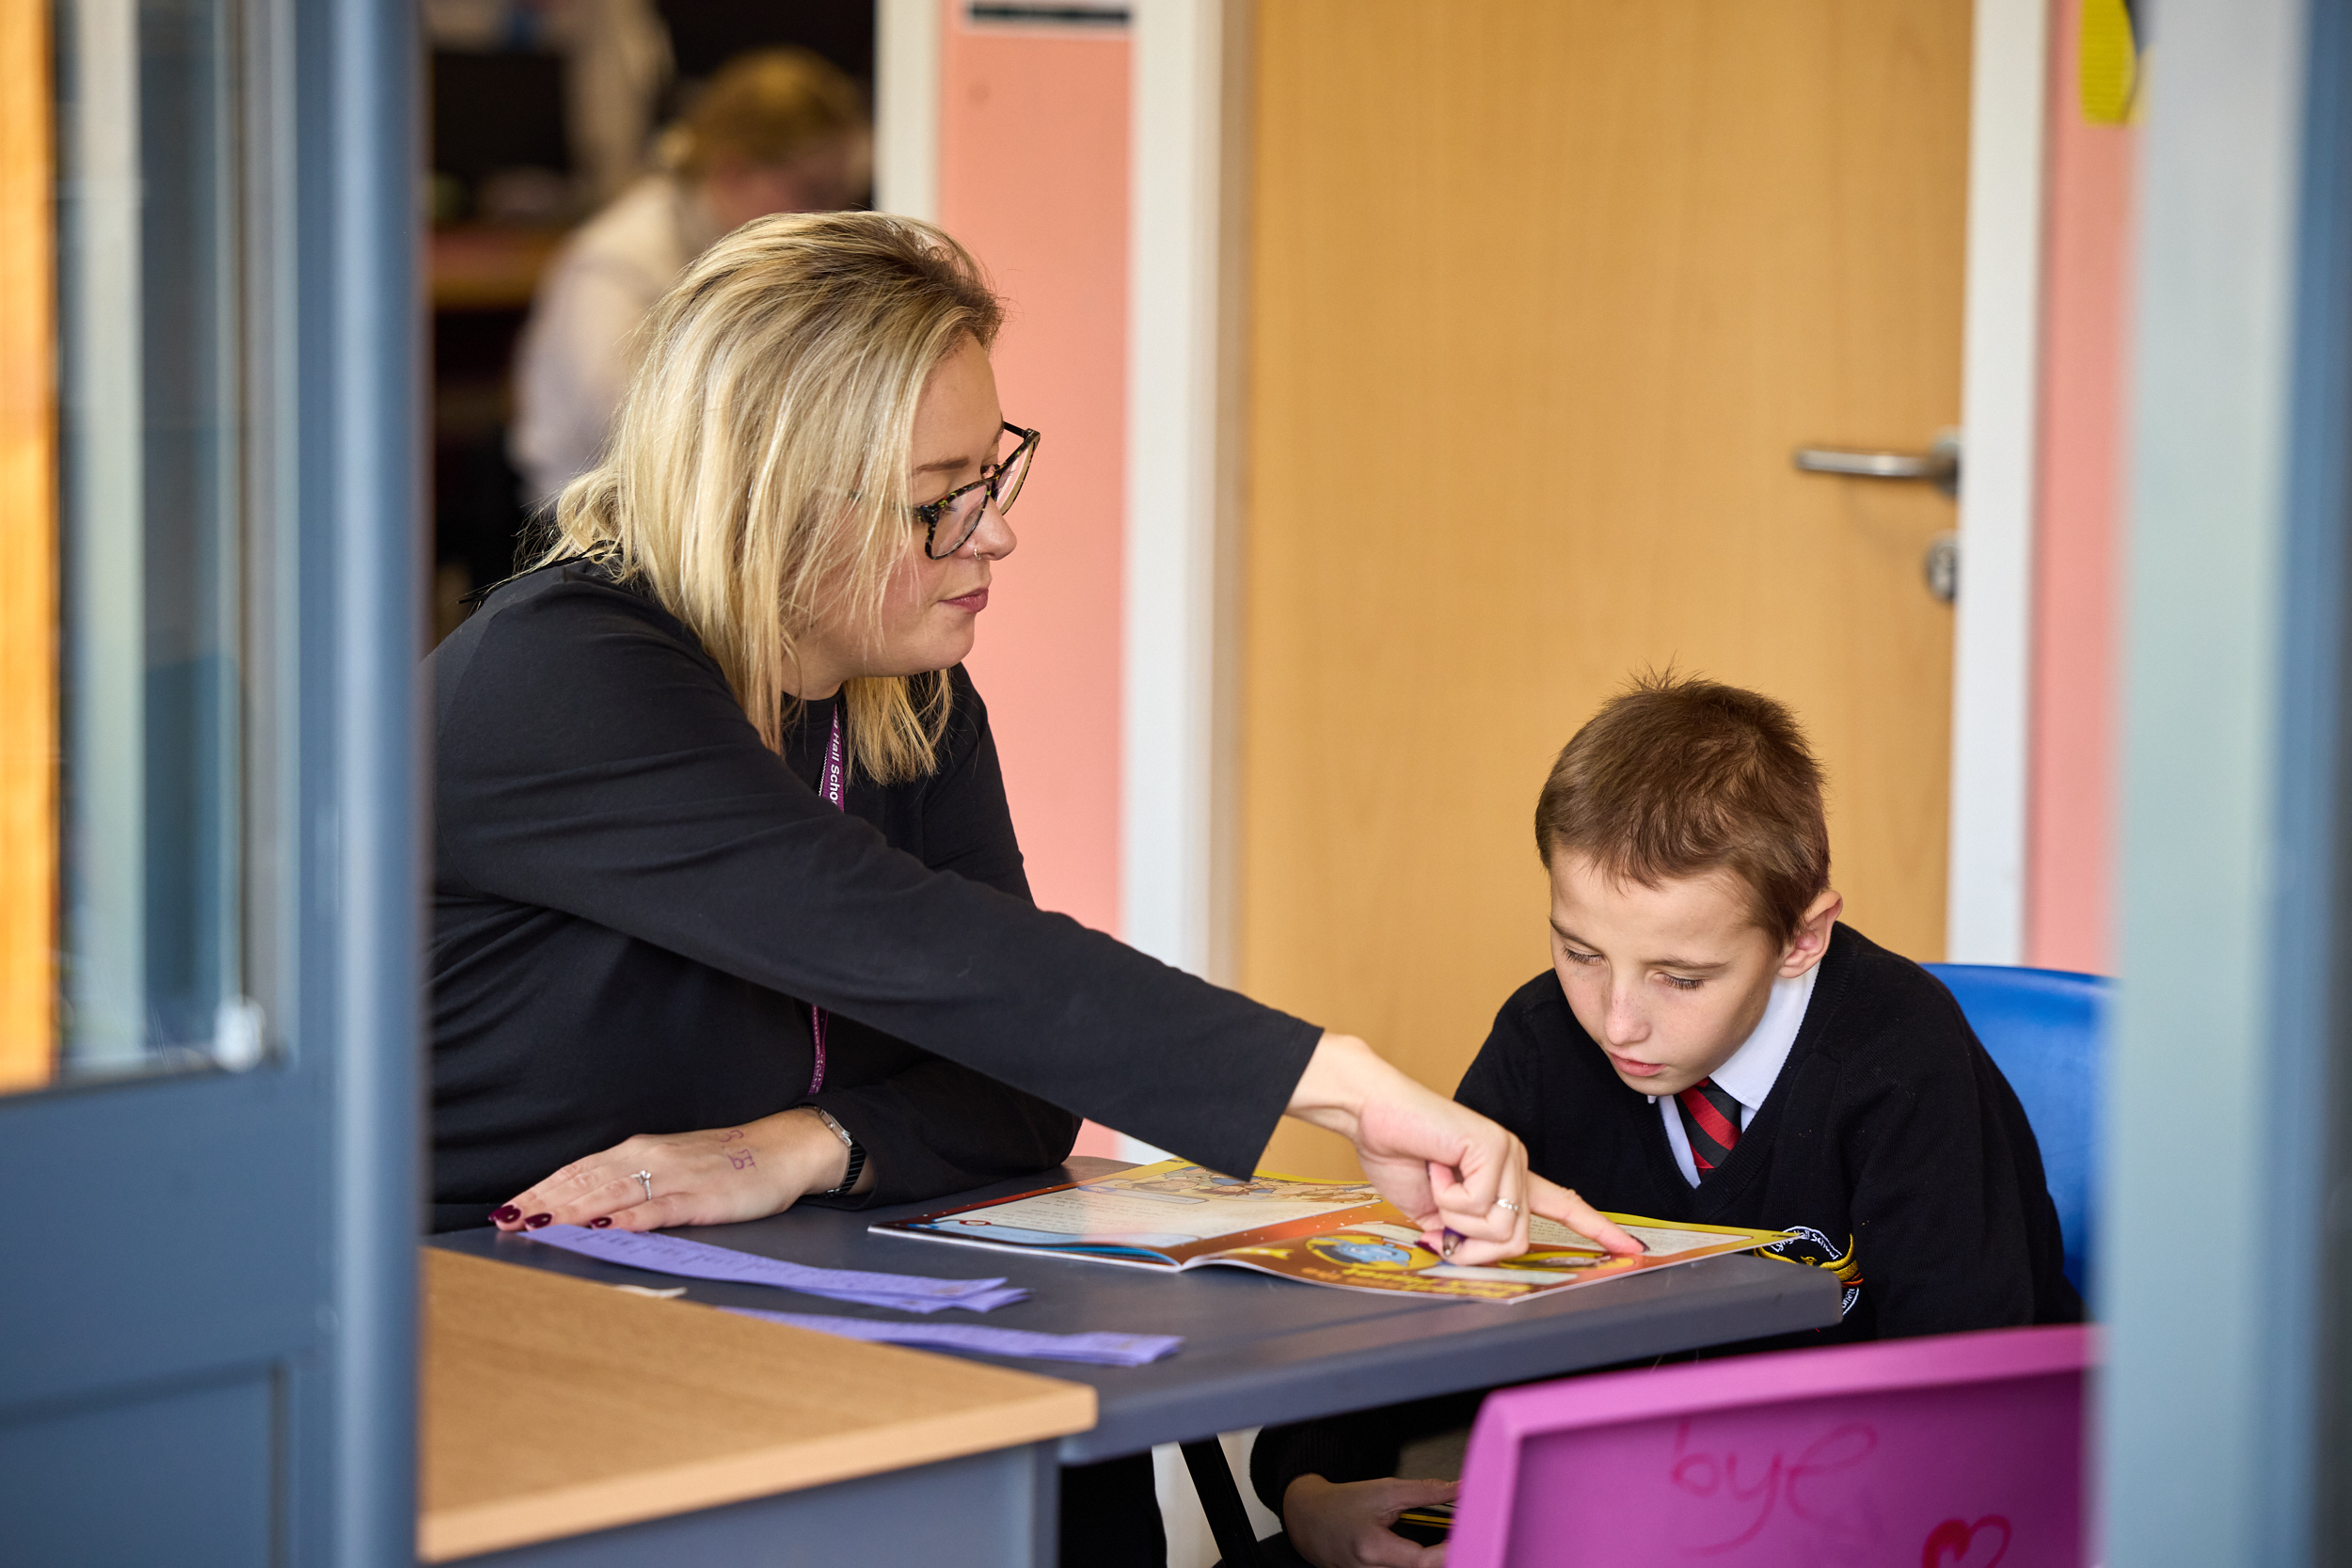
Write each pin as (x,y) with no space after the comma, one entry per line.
(2109,71)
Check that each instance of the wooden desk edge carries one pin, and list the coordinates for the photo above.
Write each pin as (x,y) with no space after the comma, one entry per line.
(548,1515)
(1055,1409)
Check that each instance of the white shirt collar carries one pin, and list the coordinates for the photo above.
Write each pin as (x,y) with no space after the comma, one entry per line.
(1750,1075)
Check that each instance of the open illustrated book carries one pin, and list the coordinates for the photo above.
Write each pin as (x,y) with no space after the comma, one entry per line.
(1174,1215)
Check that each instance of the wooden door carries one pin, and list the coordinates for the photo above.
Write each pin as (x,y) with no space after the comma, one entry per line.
(1543,296)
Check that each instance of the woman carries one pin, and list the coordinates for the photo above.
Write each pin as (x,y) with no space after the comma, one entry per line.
(775,131)
(653,922)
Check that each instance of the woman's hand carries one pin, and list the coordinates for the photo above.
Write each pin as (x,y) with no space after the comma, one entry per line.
(1442,1163)
(712,1178)
(1345,1525)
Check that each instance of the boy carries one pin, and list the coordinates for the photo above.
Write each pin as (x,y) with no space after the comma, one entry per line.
(1712,1046)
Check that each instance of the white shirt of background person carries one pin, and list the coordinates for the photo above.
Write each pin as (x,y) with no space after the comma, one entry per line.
(579,349)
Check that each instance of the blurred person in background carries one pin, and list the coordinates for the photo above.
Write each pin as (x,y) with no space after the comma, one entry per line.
(776,131)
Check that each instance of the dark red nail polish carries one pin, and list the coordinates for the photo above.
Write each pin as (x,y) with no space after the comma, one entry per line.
(505,1214)
(600,1221)
(536,1220)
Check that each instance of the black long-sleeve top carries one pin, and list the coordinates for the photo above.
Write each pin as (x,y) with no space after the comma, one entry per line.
(1890,1142)
(635,901)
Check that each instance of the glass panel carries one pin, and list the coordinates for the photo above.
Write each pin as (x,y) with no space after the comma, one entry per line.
(153,464)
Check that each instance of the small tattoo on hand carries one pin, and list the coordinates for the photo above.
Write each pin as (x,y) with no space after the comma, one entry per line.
(741,1158)
(732,1133)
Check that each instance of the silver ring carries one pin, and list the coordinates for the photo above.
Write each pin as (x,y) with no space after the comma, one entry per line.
(1507,1203)
(644,1179)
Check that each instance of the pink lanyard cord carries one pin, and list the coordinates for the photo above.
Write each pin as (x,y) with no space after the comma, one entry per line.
(830,783)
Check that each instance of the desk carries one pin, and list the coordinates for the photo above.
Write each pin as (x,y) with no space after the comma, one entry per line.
(488,266)
(568,1424)
(1258,1350)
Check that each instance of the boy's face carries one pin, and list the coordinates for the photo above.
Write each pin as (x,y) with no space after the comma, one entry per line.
(1670,979)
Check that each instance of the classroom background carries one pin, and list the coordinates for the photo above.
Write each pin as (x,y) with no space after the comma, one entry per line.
(1969,375)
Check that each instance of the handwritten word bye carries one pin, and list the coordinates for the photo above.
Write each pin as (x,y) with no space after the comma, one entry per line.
(1765,1484)
(1751,1485)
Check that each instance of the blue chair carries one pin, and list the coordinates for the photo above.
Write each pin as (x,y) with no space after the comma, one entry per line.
(2047,1029)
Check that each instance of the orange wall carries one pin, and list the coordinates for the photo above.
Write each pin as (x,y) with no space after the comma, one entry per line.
(1033,177)
(2078,544)
(28,524)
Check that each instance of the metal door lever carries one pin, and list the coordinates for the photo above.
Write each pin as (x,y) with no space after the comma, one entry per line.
(1939,464)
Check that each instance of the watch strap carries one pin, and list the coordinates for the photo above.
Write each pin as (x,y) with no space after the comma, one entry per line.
(857,1154)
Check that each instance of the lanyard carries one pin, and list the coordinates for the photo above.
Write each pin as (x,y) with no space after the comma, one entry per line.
(829,784)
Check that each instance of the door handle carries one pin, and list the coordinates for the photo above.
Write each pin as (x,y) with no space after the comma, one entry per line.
(1938,466)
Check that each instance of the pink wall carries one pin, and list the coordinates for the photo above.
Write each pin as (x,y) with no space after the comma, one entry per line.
(1033,179)
(2078,546)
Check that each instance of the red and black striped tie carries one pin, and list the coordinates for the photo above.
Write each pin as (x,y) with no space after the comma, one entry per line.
(1710,1119)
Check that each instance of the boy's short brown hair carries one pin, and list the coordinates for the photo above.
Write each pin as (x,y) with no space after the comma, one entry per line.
(1678,776)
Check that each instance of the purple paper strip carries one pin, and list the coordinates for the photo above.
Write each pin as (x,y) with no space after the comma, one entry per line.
(676,1254)
(1099,1349)
(989,1300)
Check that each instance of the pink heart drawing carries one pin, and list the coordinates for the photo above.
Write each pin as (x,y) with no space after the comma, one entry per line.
(1956,1544)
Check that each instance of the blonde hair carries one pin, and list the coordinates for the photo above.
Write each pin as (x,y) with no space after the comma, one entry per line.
(757,474)
(766,108)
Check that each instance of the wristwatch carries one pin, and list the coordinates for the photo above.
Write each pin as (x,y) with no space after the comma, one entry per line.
(857,1153)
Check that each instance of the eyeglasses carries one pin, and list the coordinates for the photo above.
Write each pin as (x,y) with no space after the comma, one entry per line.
(949,522)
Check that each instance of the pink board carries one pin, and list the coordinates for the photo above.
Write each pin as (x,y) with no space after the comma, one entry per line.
(1957,1451)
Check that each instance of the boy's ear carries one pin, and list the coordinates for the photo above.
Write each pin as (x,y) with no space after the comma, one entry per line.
(1805,949)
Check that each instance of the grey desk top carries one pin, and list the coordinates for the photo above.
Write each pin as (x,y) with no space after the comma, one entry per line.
(1258,1350)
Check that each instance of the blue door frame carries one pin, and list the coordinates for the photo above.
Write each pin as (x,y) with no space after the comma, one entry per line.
(207,1306)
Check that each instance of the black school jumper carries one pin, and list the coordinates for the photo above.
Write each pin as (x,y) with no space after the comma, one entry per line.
(1889,1143)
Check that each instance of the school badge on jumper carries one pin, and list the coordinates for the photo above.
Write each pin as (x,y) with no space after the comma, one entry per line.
(1809,1246)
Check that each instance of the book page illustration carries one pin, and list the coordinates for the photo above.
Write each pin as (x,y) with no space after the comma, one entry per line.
(1663,1241)
(1386,1257)
(1168,1212)
(1174,1215)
